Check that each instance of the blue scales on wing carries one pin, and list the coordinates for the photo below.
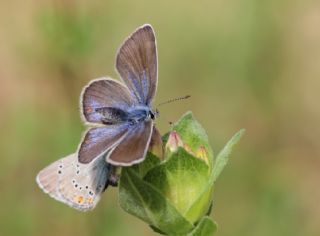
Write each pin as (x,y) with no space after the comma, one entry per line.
(99,140)
(137,64)
(101,94)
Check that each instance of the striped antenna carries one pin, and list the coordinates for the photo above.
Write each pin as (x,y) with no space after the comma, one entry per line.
(173,100)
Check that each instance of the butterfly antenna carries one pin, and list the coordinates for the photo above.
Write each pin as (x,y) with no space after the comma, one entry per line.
(174,100)
(170,101)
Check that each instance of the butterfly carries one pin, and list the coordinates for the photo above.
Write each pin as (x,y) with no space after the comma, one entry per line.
(121,122)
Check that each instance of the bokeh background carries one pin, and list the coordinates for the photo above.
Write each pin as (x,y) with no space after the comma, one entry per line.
(247,64)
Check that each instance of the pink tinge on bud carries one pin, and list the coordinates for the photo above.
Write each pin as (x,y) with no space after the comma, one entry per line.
(174,141)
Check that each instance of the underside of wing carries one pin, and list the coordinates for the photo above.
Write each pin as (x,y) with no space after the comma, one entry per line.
(133,148)
(77,185)
(137,64)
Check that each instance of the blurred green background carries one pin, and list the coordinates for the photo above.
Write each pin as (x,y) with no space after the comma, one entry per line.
(247,64)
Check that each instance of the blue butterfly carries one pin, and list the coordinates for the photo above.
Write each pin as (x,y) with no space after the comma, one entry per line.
(122,126)
(123,110)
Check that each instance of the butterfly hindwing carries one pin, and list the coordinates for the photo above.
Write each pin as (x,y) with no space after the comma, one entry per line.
(133,148)
(77,185)
(156,145)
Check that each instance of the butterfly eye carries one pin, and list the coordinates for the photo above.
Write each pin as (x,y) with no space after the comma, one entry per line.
(151,115)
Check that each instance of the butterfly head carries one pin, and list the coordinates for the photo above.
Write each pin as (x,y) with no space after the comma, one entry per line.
(154,114)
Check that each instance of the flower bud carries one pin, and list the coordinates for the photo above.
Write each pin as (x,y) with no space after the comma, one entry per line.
(174,142)
(174,195)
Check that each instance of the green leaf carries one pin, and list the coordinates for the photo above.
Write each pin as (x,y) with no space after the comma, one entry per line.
(192,133)
(155,229)
(206,227)
(220,163)
(201,205)
(181,178)
(141,199)
(150,162)
(223,156)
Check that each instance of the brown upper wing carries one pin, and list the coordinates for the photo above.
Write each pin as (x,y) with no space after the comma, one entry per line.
(133,148)
(137,64)
(156,145)
(99,140)
(101,93)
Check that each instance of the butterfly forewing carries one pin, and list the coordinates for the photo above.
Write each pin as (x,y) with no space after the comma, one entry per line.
(102,93)
(99,140)
(75,184)
(137,64)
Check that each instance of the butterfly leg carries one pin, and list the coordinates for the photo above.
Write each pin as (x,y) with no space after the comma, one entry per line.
(113,176)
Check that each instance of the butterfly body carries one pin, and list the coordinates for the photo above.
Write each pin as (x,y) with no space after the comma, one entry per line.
(140,114)
(121,126)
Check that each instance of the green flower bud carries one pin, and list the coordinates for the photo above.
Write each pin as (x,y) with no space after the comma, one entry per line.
(174,195)
(175,141)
